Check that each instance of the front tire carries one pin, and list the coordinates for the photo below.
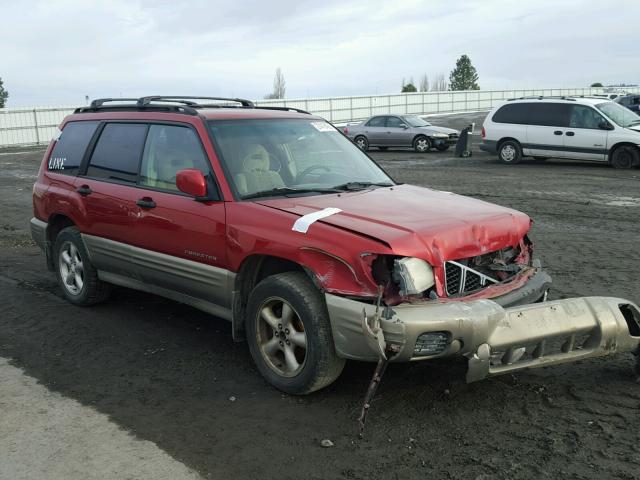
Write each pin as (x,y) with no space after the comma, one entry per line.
(422,144)
(362,143)
(625,157)
(76,275)
(510,152)
(289,334)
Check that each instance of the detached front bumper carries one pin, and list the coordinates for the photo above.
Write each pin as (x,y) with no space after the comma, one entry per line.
(494,339)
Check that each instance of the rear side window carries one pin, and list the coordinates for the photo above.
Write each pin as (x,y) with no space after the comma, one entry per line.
(376,122)
(512,113)
(549,114)
(118,152)
(70,147)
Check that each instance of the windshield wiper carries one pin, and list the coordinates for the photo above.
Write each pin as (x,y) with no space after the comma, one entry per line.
(274,192)
(361,185)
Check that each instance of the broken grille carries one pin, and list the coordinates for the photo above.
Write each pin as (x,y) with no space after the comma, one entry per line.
(461,279)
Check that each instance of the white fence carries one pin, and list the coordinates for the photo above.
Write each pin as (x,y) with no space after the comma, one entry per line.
(35,126)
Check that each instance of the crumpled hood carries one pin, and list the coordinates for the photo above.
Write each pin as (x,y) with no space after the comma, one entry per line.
(434,129)
(416,221)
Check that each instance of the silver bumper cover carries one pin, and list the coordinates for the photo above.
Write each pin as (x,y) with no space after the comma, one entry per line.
(494,339)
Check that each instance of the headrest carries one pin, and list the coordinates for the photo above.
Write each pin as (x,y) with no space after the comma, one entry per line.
(256,158)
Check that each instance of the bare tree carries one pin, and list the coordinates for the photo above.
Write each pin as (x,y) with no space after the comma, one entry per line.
(439,83)
(424,83)
(279,86)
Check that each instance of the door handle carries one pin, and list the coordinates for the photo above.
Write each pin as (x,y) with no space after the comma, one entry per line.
(146,202)
(557,132)
(84,190)
(570,134)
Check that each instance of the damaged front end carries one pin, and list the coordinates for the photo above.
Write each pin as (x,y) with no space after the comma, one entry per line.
(489,308)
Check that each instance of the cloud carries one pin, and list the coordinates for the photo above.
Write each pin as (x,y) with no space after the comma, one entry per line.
(59,51)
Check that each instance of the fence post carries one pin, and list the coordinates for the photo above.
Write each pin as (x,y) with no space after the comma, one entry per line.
(35,123)
(351,109)
(331,110)
(371,106)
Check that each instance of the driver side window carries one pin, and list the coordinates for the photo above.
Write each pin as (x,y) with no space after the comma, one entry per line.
(584,117)
(168,150)
(394,122)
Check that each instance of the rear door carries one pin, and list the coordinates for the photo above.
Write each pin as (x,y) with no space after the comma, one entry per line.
(375,130)
(584,139)
(108,189)
(397,134)
(546,125)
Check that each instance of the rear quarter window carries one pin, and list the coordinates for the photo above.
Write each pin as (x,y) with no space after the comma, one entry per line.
(68,151)
(512,113)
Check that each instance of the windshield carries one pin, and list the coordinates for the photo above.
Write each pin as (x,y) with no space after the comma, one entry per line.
(416,121)
(619,114)
(290,155)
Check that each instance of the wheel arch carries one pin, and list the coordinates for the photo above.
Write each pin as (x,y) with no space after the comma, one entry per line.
(616,146)
(55,224)
(507,139)
(252,270)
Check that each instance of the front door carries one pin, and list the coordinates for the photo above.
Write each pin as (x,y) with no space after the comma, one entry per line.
(585,139)
(397,133)
(181,240)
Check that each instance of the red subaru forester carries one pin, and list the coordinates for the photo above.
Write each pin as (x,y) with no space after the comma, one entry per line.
(271,218)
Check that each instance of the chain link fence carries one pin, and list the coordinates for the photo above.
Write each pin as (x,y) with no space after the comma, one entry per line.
(36,126)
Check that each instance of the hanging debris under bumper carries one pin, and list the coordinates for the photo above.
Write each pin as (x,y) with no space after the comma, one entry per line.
(495,339)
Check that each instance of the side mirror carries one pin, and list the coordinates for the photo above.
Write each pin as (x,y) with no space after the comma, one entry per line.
(192,182)
(404,126)
(605,126)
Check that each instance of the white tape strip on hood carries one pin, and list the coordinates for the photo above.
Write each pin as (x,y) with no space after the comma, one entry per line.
(303,223)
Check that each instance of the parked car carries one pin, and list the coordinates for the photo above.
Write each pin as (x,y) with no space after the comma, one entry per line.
(270,218)
(583,128)
(384,131)
(632,102)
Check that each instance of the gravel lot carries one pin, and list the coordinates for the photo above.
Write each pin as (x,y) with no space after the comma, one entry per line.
(165,372)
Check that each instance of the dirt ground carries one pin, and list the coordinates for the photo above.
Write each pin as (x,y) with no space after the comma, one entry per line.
(165,372)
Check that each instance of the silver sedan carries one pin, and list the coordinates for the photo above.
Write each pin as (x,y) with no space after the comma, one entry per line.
(384,131)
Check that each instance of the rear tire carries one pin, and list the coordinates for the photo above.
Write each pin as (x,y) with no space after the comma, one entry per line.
(510,152)
(289,334)
(76,275)
(361,142)
(625,157)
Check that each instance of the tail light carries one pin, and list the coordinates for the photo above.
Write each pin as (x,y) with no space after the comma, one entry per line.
(345,130)
(484,134)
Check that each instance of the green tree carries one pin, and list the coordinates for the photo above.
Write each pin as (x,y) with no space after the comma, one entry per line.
(3,94)
(464,76)
(596,85)
(408,87)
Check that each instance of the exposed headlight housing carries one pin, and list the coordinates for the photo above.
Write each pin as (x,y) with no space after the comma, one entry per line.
(413,275)
(440,135)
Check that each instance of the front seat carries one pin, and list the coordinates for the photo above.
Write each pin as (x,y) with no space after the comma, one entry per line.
(256,175)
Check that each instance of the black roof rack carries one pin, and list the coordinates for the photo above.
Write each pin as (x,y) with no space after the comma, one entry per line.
(174,103)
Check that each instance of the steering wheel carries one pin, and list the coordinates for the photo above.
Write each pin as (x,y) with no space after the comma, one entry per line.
(310,169)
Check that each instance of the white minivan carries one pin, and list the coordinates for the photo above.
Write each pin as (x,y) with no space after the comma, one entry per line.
(582,128)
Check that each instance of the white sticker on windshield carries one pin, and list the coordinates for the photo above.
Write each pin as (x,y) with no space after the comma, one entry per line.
(323,127)
(303,223)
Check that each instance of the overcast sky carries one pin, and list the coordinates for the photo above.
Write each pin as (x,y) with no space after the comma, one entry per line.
(56,52)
